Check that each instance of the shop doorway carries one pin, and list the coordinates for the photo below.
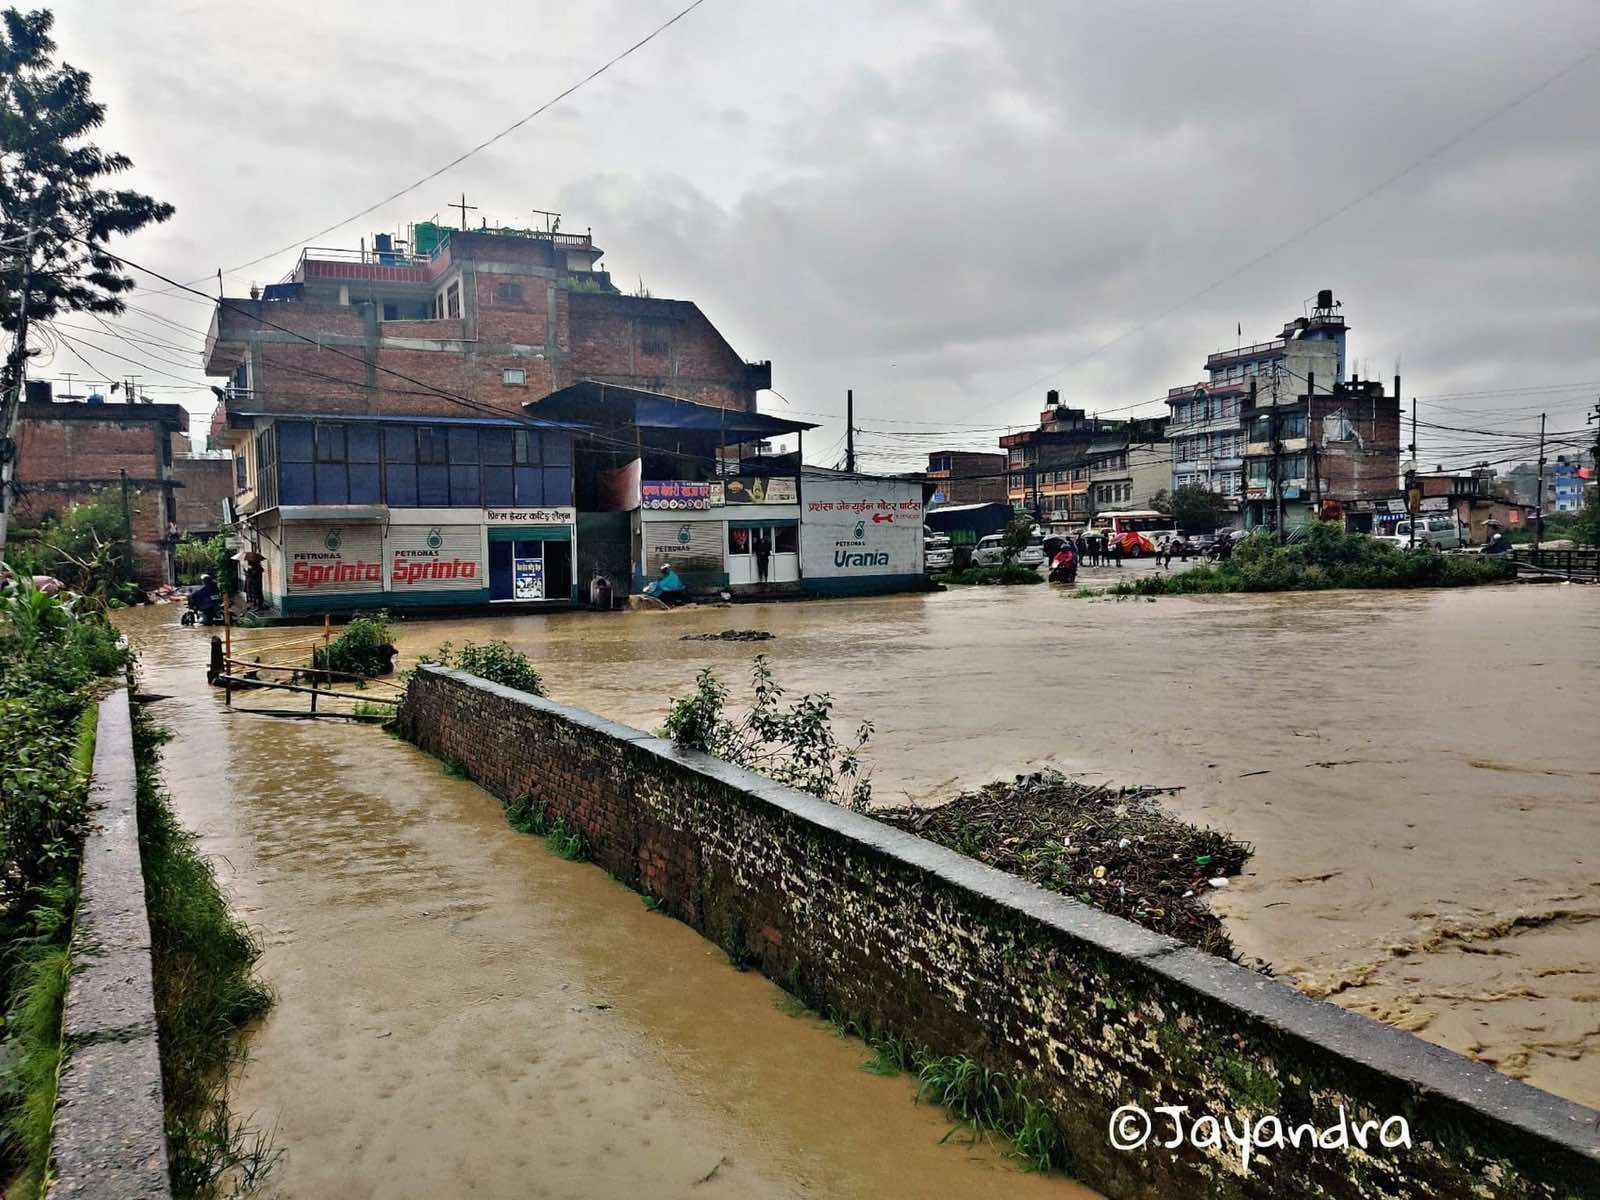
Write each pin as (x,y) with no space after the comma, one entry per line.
(530,570)
(763,553)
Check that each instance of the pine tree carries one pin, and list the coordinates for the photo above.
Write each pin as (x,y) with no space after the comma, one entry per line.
(55,217)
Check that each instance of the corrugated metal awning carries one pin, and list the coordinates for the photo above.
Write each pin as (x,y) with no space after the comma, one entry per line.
(348,513)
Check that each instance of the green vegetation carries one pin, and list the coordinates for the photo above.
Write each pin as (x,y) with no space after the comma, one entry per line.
(495,661)
(1327,557)
(1006,573)
(527,815)
(1193,508)
(364,647)
(53,663)
(456,769)
(1015,537)
(203,958)
(86,548)
(793,744)
(1583,527)
(986,1100)
(195,557)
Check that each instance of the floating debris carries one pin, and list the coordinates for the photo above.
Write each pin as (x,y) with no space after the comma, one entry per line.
(730,635)
(1112,847)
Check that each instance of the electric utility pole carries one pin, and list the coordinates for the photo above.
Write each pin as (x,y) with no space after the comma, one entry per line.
(11,388)
(1411,478)
(850,430)
(1538,512)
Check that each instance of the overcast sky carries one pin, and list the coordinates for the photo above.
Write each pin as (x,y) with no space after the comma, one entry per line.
(947,206)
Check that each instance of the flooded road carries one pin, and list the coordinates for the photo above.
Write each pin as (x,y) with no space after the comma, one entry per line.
(1417,770)
(461,1013)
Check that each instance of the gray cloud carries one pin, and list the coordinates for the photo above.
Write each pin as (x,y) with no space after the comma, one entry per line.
(935,205)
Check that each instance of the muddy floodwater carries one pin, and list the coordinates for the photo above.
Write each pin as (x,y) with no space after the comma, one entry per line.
(460,1013)
(1418,771)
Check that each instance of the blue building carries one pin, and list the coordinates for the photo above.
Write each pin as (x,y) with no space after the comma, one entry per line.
(353,512)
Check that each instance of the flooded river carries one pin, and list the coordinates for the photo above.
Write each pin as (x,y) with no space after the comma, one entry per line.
(1417,770)
(461,1013)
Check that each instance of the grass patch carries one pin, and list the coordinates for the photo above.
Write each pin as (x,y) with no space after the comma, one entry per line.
(527,815)
(651,904)
(565,842)
(791,1006)
(33,1047)
(366,710)
(993,1101)
(206,993)
(456,769)
(1005,574)
(495,661)
(1327,557)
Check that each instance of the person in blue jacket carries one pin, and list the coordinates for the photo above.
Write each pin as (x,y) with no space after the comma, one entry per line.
(669,588)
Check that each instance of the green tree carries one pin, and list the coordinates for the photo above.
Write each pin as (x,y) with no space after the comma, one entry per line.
(55,215)
(1016,537)
(1194,508)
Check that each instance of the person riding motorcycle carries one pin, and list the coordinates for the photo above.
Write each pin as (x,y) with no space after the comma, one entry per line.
(1064,566)
(205,603)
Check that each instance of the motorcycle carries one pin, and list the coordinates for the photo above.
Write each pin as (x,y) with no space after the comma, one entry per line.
(1064,568)
(205,612)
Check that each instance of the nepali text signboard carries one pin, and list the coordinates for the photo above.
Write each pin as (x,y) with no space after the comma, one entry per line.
(327,559)
(435,558)
(675,494)
(860,528)
(555,514)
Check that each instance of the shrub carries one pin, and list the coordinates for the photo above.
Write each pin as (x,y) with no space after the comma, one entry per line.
(207,556)
(794,745)
(1006,573)
(495,661)
(364,647)
(1326,557)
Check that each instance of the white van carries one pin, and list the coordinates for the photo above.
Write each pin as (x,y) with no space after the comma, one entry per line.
(1441,533)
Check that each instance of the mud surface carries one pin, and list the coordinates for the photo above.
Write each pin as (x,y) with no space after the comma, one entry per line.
(1416,770)
(461,1013)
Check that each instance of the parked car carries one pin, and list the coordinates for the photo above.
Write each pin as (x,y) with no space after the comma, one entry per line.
(1441,533)
(991,552)
(937,554)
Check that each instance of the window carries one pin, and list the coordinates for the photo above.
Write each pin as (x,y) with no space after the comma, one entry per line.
(241,473)
(452,300)
(508,293)
(514,377)
(330,443)
(786,539)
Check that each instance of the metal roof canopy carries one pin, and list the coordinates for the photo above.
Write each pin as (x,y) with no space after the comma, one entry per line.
(399,419)
(655,410)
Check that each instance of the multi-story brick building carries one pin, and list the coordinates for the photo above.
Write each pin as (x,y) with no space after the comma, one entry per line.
(1207,428)
(1074,466)
(967,477)
(376,400)
(69,452)
(1332,448)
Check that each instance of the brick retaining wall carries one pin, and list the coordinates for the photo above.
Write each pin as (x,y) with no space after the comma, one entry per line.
(109,1140)
(868,922)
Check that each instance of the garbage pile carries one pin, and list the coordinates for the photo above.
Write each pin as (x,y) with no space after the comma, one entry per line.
(730,635)
(1110,847)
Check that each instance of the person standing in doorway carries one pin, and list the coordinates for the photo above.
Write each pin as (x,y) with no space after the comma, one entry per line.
(763,546)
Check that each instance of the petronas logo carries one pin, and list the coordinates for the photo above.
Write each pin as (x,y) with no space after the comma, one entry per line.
(333,540)
(435,538)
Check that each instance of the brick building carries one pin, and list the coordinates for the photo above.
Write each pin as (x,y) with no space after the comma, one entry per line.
(205,482)
(967,477)
(1074,466)
(71,452)
(376,400)
(1333,448)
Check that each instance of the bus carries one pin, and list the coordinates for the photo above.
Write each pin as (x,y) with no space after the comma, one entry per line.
(1149,523)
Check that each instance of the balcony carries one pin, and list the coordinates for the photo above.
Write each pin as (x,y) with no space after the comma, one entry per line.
(387,266)
(1257,350)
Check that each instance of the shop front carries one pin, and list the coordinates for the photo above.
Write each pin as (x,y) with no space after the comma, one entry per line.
(763,552)
(530,554)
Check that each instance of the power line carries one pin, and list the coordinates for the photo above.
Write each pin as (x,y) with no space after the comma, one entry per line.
(483,145)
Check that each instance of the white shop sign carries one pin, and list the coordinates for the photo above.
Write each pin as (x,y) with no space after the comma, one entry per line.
(859,527)
(435,558)
(330,558)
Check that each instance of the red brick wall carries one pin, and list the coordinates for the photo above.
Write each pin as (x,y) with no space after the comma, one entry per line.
(875,926)
(205,484)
